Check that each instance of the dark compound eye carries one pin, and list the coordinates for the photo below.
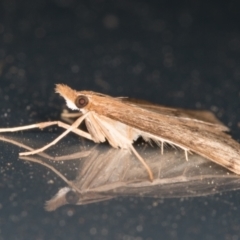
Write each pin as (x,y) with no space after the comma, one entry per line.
(81,101)
(72,197)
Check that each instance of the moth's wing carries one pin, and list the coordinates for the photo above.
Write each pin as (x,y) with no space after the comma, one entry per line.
(201,115)
(205,139)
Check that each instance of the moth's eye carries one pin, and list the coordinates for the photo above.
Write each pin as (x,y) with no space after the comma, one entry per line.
(72,197)
(81,101)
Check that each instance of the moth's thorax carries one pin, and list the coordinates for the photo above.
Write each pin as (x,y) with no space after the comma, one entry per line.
(104,105)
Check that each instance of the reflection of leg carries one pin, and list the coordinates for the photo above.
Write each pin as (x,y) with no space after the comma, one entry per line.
(72,156)
(21,145)
(70,183)
(143,162)
(71,128)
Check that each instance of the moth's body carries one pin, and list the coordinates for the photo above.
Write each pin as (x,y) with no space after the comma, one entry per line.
(106,120)
(121,121)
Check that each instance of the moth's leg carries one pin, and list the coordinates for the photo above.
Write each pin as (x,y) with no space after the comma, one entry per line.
(77,131)
(27,127)
(143,163)
(162,145)
(186,154)
(66,114)
(71,128)
(70,183)
(47,124)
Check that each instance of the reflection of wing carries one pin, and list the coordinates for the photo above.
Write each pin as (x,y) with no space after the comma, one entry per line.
(109,173)
(202,115)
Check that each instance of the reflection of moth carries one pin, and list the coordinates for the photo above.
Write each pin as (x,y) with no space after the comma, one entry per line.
(107,173)
(101,173)
(121,121)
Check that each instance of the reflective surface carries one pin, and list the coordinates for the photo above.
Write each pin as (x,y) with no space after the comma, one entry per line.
(181,55)
(101,173)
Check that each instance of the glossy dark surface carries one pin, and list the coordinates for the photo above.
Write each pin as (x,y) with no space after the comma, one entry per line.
(176,54)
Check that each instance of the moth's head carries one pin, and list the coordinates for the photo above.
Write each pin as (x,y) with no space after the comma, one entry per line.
(75,100)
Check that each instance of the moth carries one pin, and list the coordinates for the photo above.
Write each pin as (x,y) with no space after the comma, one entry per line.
(121,121)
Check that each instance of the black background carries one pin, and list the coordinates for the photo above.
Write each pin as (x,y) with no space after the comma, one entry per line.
(177,53)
